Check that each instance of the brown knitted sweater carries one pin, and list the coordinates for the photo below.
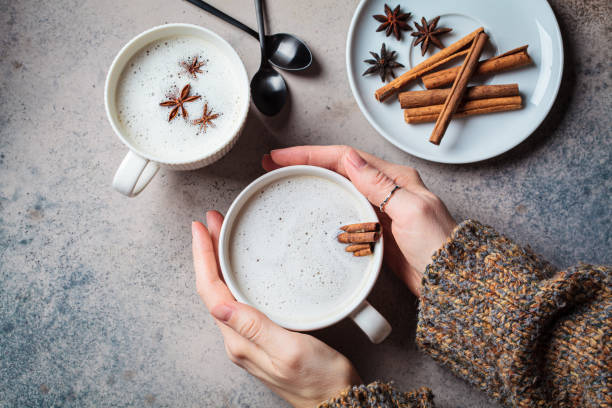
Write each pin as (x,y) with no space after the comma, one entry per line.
(511,324)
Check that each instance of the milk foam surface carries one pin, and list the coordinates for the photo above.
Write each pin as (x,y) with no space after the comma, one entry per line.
(284,254)
(153,75)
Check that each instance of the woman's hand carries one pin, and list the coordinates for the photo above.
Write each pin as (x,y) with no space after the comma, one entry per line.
(301,369)
(415,223)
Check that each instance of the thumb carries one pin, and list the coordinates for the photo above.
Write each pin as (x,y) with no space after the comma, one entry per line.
(251,324)
(373,183)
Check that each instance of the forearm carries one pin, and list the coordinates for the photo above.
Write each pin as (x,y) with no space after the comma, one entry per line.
(509,323)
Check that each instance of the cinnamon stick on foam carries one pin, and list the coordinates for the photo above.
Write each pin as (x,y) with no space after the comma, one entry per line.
(445,55)
(469,108)
(515,58)
(363,252)
(459,86)
(361,227)
(416,99)
(357,247)
(358,237)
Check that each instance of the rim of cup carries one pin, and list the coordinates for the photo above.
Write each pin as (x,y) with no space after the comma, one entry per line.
(153,34)
(374,265)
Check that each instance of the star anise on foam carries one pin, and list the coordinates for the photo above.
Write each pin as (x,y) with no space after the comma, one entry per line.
(206,119)
(179,101)
(428,33)
(383,64)
(194,67)
(393,21)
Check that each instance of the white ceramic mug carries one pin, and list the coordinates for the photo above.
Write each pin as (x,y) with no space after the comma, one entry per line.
(371,322)
(138,168)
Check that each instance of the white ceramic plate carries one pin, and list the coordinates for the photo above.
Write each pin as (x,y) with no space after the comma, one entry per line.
(510,24)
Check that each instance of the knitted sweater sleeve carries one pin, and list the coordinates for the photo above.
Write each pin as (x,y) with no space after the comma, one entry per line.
(510,324)
(380,395)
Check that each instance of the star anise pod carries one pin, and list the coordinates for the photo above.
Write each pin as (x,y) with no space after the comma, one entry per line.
(427,33)
(194,67)
(383,64)
(206,119)
(179,101)
(393,22)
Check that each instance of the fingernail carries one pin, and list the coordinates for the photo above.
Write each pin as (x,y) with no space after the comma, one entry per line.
(222,312)
(193,225)
(355,159)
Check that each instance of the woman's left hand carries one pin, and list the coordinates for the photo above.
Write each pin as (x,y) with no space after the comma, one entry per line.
(298,367)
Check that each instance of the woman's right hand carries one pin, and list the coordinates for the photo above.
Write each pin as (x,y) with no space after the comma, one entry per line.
(415,221)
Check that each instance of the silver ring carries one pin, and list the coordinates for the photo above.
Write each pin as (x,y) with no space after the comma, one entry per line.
(384,202)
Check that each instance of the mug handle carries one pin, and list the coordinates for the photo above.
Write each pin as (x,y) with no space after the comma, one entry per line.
(371,322)
(133,174)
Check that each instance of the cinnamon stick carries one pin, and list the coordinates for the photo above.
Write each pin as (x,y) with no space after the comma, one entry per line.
(457,115)
(512,51)
(509,60)
(467,105)
(477,107)
(459,86)
(357,247)
(415,99)
(361,227)
(358,237)
(363,252)
(445,55)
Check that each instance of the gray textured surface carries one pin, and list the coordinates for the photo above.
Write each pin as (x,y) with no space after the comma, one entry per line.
(97,300)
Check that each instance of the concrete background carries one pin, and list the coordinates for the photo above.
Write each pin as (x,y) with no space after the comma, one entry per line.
(97,298)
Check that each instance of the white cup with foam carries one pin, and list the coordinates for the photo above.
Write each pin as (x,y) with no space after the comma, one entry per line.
(272,238)
(143,161)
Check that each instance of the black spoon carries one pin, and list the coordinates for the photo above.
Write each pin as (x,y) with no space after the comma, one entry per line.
(286,51)
(268,88)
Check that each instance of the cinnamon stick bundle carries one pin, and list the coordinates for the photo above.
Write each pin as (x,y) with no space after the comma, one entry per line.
(512,59)
(445,55)
(469,108)
(415,99)
(458,89)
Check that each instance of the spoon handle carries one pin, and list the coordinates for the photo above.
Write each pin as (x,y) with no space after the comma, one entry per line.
(262,29)
(216,12)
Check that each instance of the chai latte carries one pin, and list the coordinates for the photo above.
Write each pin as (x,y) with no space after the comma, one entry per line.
(284,255)
(155,74)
